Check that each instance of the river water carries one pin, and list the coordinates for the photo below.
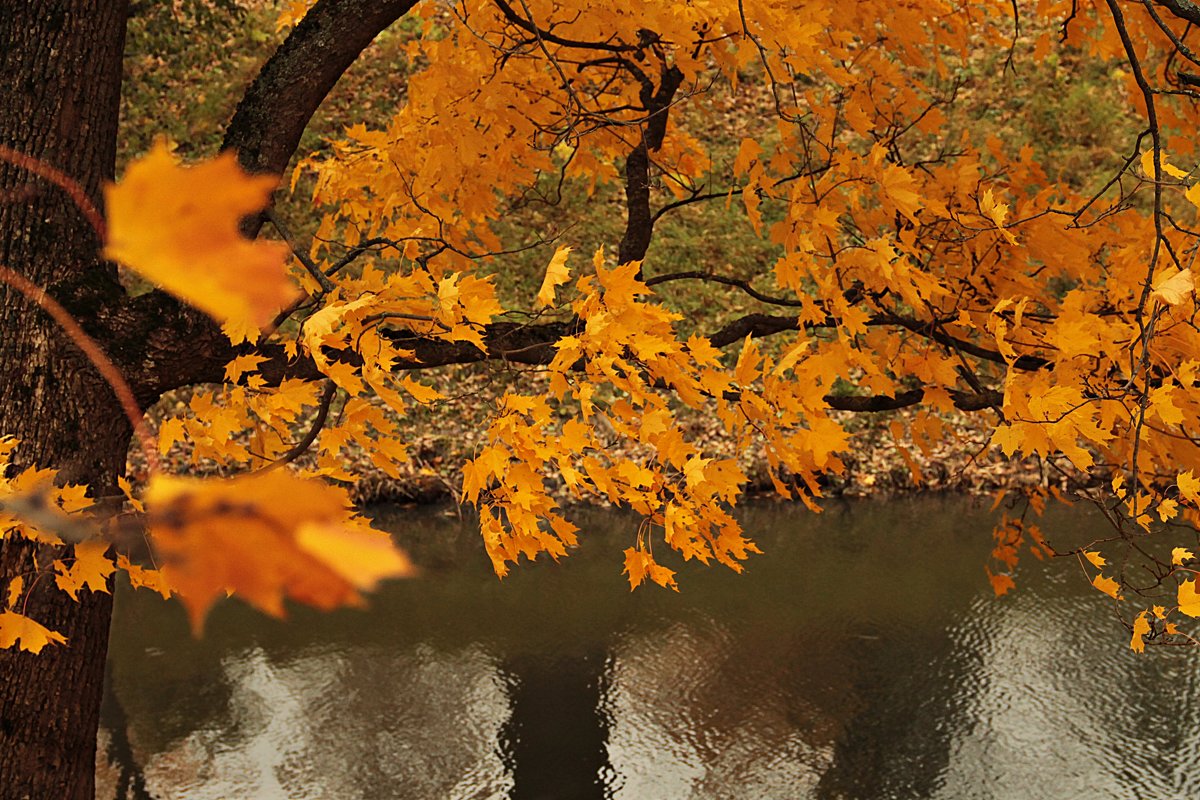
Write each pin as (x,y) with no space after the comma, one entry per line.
(863,656)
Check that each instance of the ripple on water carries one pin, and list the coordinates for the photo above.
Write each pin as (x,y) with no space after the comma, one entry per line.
(850,664)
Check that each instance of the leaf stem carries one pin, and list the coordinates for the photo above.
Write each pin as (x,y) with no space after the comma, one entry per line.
(37,295)
(62,181)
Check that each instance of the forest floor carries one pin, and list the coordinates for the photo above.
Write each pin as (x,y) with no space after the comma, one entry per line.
(442,438)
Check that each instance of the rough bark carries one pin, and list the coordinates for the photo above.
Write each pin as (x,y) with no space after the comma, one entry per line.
(266,128)
(147,331)
(59,92)
(639,222)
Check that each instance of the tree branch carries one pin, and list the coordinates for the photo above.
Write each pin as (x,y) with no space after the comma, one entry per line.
(1184,9)
(172,345)
(521,22)
(639,224)
(275,110)
(963,401)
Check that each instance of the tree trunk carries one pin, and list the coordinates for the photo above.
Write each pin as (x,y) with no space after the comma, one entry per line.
(60,79)
(60,83)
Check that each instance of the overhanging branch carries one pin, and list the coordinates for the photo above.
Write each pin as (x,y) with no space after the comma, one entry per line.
(534,345)
(173,345)
(292,84)
(1184,9)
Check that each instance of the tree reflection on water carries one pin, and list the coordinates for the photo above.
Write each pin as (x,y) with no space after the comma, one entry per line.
(848,664)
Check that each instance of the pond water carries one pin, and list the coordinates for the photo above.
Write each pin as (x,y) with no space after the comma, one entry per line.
(863,656)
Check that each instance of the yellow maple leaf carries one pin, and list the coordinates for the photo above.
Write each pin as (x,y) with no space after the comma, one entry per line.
(1107,585)
(1147,164)
(1179,555)
(1001,583)
(1189,486)
(693,471)
(1007,438)
(170,432)
(1174,287)
(291,14)
(996,212)
(358,553)
(15,587)
(242,365)
(264,536)
(575,436)
(636,562)
(1167,509)
(178,228)
(1097,560)
(143,578)
(640,564)
(32,636)
(74,498)
(748,153)
(900,187)
(1193,194)
(556,275)
(1141,626)
(421,393)
(1188,598)
(90,569)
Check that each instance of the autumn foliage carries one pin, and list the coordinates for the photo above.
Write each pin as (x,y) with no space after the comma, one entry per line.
(917,264)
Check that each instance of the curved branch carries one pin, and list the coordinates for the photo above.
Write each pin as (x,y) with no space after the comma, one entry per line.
(182,345)
(737,283)
(267,125)
(521,22)
(639,222)
(963,401)
(1184,9)
(301,447)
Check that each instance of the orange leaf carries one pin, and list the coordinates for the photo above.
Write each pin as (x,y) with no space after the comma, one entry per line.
(1147,164)
(32,636)
(1189,486)
(1107,585)
(1174,287)
(900,188)
(639,564)
(15,587)
(265,536)
(1189,598)
(1141,626)
(178,228)
(90,569)
(421,393)
(142,578)
(1001,583)
(556,275)
(636,562)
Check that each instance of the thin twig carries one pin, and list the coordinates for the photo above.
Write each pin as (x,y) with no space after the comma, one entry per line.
(62,181)
(37,295)
(317,273)
(301,447)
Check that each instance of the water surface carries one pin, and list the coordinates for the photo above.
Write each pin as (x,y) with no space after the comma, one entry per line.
(862,657)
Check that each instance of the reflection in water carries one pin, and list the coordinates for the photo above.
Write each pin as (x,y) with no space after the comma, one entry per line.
(862,657)
(554,740)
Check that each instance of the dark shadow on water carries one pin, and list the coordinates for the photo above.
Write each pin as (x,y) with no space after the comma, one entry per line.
(899,725)
(554,743)
(862,657)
